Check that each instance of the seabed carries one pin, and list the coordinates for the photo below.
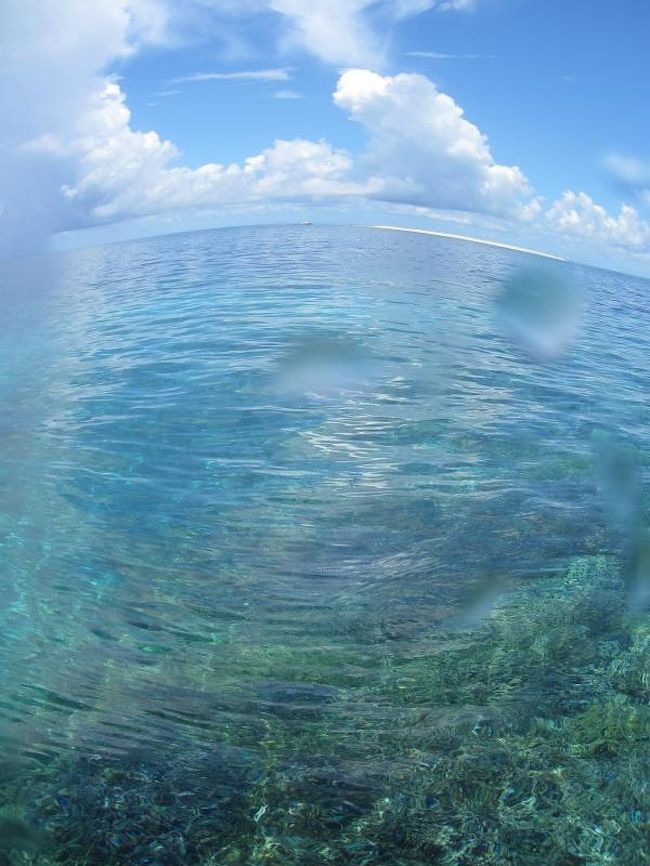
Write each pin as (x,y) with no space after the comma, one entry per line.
(524,741)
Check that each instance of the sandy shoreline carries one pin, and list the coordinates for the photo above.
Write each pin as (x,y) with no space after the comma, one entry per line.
(471,240)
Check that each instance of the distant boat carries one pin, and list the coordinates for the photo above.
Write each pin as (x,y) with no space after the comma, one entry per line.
(304,223)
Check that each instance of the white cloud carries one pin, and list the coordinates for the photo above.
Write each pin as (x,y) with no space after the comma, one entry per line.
(334,30)
(54,51)
(235,8)
(428,153)
(53,55)
(577,214)
(73,142)
(283,74)
(287,94)
(339,32)
(422,151)
(406,8)
(124,173)
(437,55)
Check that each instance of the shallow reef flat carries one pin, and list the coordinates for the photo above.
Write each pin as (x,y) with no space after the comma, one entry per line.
(525,740)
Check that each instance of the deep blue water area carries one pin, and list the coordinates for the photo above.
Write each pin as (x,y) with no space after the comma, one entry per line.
(307,558)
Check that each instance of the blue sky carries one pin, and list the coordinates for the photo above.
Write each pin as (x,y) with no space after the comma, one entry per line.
(552,84)
(515,120)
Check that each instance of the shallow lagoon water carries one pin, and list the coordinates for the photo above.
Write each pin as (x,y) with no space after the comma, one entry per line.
(305,560)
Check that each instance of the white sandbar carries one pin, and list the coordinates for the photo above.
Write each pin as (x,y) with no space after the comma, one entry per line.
(471,241)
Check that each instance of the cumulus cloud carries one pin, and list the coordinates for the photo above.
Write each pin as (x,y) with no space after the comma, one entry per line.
(56,54)
(53,53)
(422,151)
(577,214)
(126,173)
(428,153)
(72,157)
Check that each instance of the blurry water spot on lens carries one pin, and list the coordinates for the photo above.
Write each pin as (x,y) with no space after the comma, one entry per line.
(540,310)
(618,474)
(481,602)
(637,573)
(322,365)
(618,477)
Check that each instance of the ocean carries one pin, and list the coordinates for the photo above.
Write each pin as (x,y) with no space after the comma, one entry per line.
(323,545)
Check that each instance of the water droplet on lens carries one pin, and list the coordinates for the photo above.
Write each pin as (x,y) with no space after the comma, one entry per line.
(540,310)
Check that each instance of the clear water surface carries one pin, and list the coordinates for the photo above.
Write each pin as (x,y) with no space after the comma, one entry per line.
(305,561)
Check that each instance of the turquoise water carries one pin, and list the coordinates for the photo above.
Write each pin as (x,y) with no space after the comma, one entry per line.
(307,559)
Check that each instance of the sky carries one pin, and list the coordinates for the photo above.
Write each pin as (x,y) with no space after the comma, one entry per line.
(512,120)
